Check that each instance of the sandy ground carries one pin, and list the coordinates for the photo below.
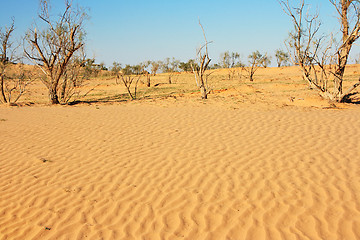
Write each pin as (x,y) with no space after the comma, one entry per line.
(179,171)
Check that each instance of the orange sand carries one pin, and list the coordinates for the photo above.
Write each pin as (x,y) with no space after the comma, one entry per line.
(186,171)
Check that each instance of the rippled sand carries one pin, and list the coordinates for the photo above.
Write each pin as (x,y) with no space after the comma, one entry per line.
(151,172)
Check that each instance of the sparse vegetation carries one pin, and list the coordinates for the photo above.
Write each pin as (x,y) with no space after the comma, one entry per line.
(116,68)
(170,67)
(56,47)
(153,67)
(230,61)
(186,66)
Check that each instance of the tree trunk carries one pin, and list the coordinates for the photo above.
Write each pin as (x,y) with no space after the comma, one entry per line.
(203,92)
(130,94)
(343,53)
(54,99)
(339,73)
(63,90)
(251,77)
(148,81)
(2,93)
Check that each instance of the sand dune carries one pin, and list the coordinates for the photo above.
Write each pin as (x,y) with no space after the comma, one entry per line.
(142,171)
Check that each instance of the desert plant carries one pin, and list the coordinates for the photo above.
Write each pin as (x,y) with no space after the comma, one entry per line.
(127,70)
(186,66)
(147,74)
(138,69)
(116,68)
(230,61)
(153,67)
(282,57)
(12,86)
(128,81)
(256,59)
(90,68)
(170,67)
(310,51)
(53,48)
(72,81)
(200,66)
(15,85)
(266,61)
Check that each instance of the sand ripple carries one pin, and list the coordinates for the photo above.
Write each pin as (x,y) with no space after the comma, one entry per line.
(150,172)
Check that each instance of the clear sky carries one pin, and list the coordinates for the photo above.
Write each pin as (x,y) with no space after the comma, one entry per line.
(133,31)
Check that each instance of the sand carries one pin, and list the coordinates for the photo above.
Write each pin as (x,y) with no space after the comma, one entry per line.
(179,171)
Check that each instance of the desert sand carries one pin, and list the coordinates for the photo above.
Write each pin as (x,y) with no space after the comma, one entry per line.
(142,171)
(182,169)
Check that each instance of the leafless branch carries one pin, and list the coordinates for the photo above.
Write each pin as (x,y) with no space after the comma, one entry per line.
(202,63)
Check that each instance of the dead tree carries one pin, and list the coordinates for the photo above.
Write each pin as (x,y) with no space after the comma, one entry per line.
(310,51)
(12,86)
(202,62)
(53,48)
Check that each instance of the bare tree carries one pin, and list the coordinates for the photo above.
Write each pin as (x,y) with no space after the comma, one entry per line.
(201,64)
(256,59)
(310,51)
(281,57)
(53,48)
(128,81)
(12,86)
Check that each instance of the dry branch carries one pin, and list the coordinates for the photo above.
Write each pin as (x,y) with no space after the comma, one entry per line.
(203,61)
(128,81)
(12,87)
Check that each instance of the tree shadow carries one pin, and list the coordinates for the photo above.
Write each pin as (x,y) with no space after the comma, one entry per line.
(109,99)
(353,98)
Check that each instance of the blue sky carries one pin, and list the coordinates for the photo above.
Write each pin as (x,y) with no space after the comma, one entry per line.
(133,31)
